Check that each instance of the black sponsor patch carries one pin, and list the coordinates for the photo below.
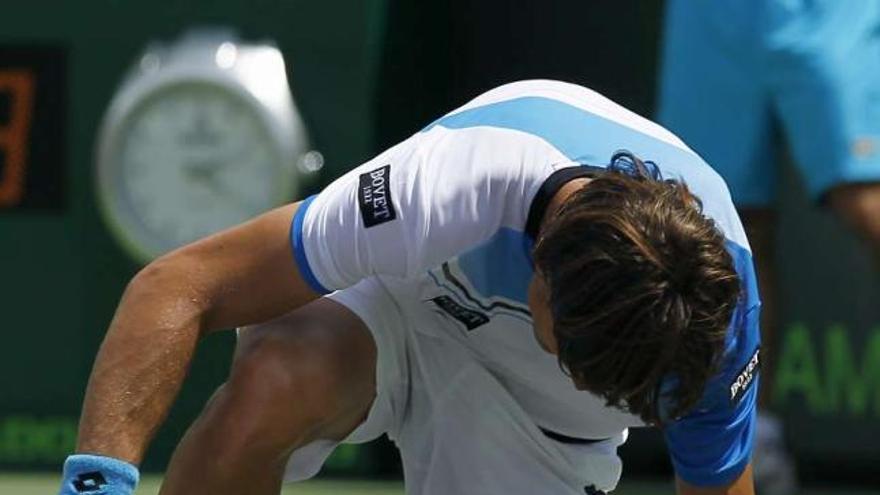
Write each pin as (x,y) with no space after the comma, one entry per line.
(374,197)
(468,317)
(745,378)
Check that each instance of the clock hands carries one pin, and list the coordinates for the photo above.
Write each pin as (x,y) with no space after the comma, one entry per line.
(205,172)
(200,171)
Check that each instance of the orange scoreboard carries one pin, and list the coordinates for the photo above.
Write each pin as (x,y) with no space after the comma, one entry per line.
(33,92)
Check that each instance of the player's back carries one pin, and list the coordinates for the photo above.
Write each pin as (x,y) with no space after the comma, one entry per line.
(580,126)
(451,213)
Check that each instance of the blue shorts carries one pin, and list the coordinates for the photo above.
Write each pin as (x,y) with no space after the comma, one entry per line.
(732,69)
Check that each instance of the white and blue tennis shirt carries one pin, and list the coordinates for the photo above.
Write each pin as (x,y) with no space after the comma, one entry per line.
(455,208)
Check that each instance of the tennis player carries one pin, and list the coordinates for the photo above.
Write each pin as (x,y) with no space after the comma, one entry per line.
(503,294)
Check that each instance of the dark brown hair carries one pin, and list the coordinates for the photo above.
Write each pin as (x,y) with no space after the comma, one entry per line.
(642,289)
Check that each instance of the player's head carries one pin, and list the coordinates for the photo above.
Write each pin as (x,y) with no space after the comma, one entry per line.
(638,290)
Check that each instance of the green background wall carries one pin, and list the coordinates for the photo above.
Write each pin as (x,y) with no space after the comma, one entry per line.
(61,273)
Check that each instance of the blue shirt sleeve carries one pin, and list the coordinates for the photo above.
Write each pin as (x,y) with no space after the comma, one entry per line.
(711,445)
(299,252)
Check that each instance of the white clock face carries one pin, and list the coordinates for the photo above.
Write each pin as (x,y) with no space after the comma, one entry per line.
(190,160)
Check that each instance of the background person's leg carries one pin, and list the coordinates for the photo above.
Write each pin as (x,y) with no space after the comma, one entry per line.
(309,375)
(828,107)
(827,90)
(859,206)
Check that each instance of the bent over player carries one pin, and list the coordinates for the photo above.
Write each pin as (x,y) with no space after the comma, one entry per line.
(504,294)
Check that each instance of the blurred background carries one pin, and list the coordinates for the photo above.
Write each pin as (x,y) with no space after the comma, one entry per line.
(364,74)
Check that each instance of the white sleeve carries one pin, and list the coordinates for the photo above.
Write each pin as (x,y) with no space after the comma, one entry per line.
(417,204)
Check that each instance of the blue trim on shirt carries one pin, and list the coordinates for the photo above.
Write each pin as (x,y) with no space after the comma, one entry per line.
(499,266)
(580,135)
(299,251)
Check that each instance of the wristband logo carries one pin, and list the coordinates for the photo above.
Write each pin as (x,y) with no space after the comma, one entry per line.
(89,482)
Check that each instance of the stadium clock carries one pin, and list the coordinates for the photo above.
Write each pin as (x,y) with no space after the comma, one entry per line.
(201,135)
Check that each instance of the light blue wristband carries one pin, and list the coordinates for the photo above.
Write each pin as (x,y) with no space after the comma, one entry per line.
(86,474)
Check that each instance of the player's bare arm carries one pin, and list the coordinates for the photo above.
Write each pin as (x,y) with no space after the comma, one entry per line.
(240,276)
(743,485)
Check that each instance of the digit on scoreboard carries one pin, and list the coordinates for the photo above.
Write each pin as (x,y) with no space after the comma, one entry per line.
(18,84)
(32,121)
